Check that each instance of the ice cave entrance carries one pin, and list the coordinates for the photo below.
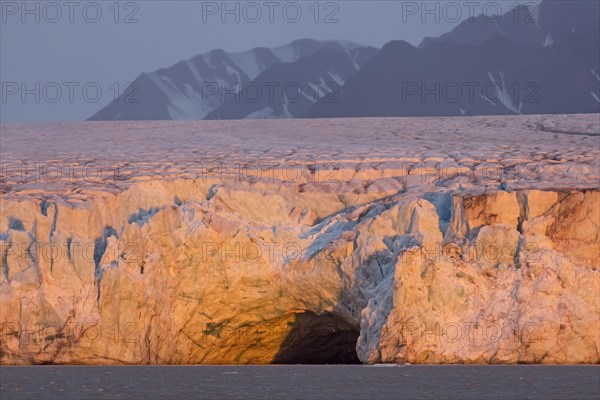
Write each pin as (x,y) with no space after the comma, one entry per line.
(319,339)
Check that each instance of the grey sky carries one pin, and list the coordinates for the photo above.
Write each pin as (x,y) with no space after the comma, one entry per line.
(69,50)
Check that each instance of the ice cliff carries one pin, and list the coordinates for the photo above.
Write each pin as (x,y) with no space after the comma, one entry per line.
(443,240)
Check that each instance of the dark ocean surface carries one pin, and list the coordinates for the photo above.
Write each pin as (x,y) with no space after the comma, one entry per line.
(301,382)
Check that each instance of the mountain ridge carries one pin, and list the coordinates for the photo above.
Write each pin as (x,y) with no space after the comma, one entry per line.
(191,89)
(532,60)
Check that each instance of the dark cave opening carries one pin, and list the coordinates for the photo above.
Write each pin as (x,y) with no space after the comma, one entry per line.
(319,339)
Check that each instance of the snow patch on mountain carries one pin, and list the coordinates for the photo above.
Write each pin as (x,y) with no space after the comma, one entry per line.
(182,105)
(248,62)
(503,95)
(336,77)
(265,113)
(287,53)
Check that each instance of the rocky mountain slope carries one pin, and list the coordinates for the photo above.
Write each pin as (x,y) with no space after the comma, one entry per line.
(535,59)
(544,65)
(545,23)
(215,82)
(452,240)
(289,90)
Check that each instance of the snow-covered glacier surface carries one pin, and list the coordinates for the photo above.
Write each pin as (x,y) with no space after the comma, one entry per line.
(421,240)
